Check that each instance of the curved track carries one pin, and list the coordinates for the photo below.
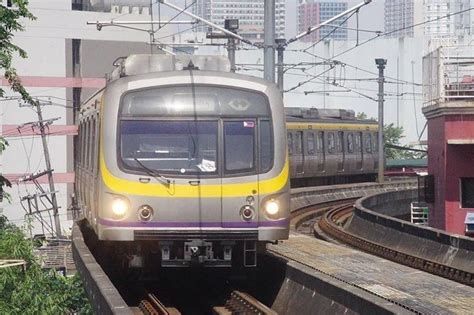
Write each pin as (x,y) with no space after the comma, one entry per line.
(331,223)
(238,303)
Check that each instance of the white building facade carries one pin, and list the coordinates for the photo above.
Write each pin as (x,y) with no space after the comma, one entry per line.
(67,61)
(249,13)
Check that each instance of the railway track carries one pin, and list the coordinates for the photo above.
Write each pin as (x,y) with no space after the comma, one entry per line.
(243,303)
(238,303)
(151,305)
(301,217)
(331,223)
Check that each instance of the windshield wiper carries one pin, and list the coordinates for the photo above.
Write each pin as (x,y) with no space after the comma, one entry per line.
(153,173)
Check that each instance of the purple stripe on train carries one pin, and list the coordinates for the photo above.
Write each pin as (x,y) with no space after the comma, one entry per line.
(278,223)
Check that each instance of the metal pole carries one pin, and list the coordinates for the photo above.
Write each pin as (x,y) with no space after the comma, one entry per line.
(280,73)
(217,27)
(398,92)
(329,21)
(269,40)
(52,190)
(381,66)
(231,52)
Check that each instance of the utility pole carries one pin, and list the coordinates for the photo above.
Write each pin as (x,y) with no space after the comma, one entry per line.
(54,202)
(381,66)
(231,25)
(269,41)
(280,47)
(231,52)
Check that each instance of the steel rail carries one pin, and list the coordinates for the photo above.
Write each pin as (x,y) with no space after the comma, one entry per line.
(151,305)
(301,215)
(330,225)
(243,303)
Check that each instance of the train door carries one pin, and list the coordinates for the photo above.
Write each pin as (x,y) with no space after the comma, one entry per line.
(369,158)
(340,151)
(359,151)
(320,152)
(350,152)
(298,154)
(290,152)
(375,149)
(239,160)
(310,155)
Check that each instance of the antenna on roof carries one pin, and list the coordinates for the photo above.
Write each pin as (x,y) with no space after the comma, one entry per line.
(191,66)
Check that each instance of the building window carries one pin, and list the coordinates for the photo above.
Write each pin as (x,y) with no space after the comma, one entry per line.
(77,5)
(467,192)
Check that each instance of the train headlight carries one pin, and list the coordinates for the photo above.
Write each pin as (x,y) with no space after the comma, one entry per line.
(120,206)
(272,207)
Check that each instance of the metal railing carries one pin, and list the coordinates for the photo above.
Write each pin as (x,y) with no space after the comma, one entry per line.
(448,75)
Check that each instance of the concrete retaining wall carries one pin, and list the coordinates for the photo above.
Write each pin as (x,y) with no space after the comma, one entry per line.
(102,294)
(302,197)
(302,290)
(433,244)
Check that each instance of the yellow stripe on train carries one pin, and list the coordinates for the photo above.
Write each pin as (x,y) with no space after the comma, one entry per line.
(330,126)
(124,186)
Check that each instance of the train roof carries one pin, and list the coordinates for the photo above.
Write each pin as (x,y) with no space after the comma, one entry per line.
(302,114)
(147,63)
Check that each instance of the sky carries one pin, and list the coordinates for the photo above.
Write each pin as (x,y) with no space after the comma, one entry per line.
(371,16)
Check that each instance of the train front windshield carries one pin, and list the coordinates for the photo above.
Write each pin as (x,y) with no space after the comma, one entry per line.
(181,130)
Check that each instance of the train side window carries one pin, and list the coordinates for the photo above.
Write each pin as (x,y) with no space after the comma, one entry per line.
(94,145)
(368,142)
(340,141)
(266,146)
(320,142)
(375,142)
(93,123)
(290,143)
(310,140)
(331,142)
(78,145)
(350,142)
(88,144)
(299,142)
(84,144)
(358,141)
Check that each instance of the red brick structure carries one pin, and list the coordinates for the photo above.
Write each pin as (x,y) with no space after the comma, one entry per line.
(449,108)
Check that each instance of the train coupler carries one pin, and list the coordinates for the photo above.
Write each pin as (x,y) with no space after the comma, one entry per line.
(196,252)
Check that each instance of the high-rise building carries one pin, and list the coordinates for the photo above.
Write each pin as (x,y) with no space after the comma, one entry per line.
(454,25)
(249,13)
(312,12)
(400,15)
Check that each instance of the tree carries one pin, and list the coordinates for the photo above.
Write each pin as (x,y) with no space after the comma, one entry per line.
(10,23)
(32,291)
(392,137)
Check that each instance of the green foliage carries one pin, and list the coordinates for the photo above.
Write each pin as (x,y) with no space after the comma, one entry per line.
(362,115)
(392,136)
(34,291)
(10,23)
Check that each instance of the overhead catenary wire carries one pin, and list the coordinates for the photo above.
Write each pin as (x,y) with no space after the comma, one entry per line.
(404,28)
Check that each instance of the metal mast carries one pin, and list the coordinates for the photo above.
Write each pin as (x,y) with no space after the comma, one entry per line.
(269,41)
(52,191)
(381,66)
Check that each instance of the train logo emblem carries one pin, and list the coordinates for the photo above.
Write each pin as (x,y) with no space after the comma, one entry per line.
(239,104)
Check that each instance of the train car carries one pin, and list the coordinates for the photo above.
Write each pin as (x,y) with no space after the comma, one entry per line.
(178,158)
(330,146)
